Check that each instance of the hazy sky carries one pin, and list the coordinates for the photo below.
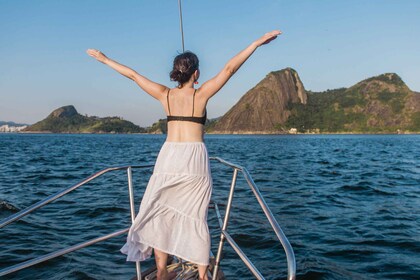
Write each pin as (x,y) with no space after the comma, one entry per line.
(331,44)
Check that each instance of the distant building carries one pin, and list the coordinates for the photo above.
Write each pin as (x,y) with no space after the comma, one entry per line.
(7,128)
(293,131)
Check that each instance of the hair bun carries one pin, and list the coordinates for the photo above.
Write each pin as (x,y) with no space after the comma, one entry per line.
(176,75)
(185,65)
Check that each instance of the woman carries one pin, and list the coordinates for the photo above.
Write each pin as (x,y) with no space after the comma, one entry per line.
(173,212)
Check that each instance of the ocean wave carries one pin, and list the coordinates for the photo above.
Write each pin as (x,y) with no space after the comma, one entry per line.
(364,188)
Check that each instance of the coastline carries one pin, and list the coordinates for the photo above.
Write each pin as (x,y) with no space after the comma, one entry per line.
(231,133)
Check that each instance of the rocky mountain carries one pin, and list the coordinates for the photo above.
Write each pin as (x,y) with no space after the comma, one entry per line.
(381,104)
(280,103)
(67,120)
(264,108)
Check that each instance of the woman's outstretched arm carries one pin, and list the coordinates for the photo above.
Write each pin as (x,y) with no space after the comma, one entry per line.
(154,89)
(212,86)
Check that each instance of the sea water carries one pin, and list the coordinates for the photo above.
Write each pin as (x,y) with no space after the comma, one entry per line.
(349,204)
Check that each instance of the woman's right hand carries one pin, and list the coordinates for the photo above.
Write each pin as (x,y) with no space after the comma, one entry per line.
(97,55)
(268,37)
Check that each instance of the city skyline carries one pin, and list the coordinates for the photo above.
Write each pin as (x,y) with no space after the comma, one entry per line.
(331,44)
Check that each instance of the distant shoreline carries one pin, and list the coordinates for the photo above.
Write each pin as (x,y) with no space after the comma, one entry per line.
(210,133)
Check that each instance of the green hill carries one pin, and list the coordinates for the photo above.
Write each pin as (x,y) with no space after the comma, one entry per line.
(382,104)
(280,104)
(67,120)
(159,127)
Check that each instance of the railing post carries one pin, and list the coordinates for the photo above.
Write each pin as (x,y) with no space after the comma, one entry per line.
(132,211)
(225,224)
(290,256)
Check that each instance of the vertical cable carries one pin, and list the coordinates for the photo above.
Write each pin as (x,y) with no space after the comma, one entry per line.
(180,21)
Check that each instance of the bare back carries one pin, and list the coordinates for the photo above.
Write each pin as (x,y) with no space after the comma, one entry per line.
(182,102)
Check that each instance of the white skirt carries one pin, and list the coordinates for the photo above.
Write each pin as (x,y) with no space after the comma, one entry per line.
(173,212)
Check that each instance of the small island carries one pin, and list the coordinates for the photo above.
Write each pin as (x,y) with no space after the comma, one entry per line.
(66,119)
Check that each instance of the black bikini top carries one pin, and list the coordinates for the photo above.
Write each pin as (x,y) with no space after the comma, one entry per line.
(201,120)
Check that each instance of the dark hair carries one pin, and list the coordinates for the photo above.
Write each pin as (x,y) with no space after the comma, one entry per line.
(184,67)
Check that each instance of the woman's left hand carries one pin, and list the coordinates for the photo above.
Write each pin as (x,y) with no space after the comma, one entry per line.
(97,55)
(268,37)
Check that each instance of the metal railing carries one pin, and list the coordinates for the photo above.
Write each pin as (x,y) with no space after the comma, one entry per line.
(224,236)
(53,197)
(290,256)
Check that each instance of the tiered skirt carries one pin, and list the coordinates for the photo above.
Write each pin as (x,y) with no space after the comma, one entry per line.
(173,212)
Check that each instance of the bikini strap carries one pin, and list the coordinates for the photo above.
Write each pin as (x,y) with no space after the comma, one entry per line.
(193,103)
(167,100)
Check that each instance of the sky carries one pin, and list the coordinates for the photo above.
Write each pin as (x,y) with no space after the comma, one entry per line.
(330,43)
